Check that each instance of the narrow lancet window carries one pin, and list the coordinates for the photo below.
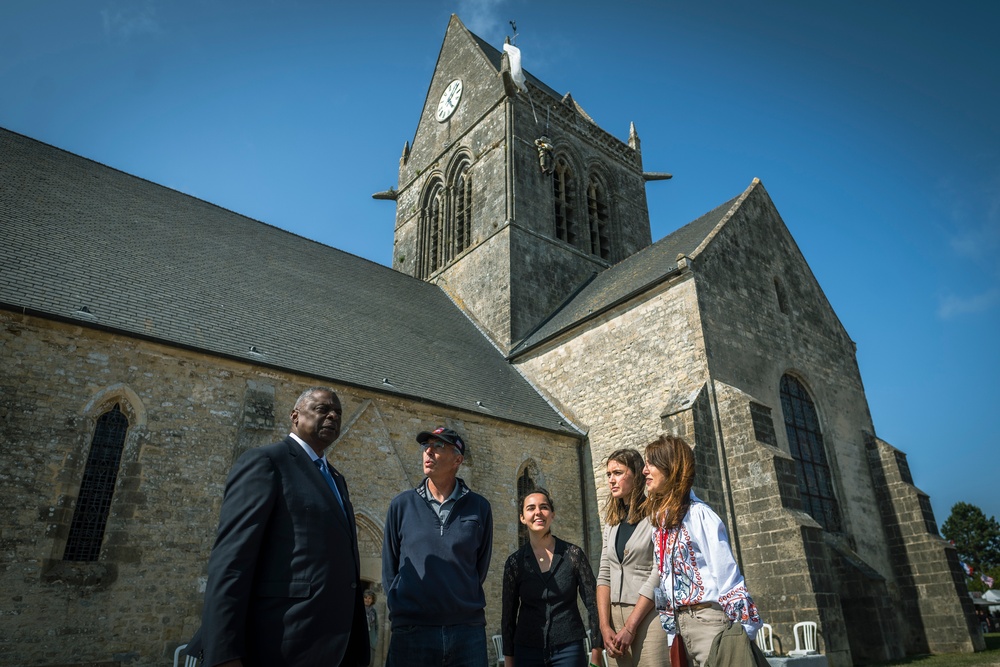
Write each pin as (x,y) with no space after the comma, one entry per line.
(93,504)
(563,190)
(462,191)
(431,237)
(597,215)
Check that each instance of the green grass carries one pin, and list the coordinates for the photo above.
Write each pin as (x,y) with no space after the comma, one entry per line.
(991,656)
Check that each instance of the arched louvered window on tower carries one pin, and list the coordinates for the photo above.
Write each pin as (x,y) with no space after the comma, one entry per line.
(93,503)
(431,236)
(563,190)
(597,218)
(805,441)
(461,189)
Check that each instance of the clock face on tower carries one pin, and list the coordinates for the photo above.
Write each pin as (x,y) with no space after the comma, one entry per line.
(449,100)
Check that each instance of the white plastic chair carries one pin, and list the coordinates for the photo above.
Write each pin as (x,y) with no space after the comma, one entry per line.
(498,645)
(189,660)
(765,639)
(805,638)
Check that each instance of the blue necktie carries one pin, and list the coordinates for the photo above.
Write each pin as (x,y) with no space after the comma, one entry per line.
(321,464)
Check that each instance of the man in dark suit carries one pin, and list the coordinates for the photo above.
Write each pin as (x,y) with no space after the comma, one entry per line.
(284,583)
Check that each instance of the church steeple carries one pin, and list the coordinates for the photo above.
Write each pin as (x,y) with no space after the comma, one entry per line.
(511,200)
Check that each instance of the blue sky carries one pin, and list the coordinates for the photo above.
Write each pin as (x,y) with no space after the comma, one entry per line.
(872,124)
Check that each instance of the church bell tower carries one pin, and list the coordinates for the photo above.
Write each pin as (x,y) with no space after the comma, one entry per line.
(511,198)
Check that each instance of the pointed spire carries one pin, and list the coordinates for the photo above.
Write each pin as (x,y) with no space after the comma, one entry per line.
(634,143)
(406,154)
(633,137)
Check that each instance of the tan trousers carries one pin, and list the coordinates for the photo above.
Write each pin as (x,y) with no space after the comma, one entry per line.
(699,628)
(649,647)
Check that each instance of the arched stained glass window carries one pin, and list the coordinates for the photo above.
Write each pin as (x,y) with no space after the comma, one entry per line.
(805,440)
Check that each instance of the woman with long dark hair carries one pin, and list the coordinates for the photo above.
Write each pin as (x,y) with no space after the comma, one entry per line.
(628,578)
(701,590)
(541,623)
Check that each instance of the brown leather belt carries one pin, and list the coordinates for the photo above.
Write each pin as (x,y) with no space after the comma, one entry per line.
(694,607)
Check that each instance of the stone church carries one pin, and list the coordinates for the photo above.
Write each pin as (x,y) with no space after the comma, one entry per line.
(148,338)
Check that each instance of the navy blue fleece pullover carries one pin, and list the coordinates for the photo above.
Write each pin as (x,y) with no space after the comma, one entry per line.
(433,573)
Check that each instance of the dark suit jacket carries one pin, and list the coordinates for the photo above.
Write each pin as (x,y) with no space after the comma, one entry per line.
(284,575)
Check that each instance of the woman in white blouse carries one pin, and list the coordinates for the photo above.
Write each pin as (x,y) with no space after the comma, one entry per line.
(701,590)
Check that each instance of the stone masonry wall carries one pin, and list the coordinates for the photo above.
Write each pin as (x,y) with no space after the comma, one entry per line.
(588,150)
(544,269)
(753,339)
(509,280)
(479,278)
(765,316)
(616,375)
(190,416)
(929,575)
(779,547)
(752,343)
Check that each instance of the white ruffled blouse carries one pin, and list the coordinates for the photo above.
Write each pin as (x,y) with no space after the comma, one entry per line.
(704,570)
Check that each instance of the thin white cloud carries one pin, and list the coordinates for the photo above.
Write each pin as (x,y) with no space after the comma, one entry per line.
(130,20)
(972,234)
(482,17)
(975,218)
(954,306)
(977,242)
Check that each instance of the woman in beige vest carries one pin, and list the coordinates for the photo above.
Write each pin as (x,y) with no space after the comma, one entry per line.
(630,625)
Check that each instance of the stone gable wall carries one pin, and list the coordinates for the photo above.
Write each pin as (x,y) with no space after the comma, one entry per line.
(751,344)
(616,375)
(765,316)
(460,58)
(190,416)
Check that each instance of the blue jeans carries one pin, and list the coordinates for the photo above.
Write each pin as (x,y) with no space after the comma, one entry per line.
(566,655)
(437,646)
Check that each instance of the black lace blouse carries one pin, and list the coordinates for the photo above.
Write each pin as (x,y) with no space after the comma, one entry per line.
(540,608)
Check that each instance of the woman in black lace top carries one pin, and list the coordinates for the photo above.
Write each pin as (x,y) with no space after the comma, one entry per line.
(541,622)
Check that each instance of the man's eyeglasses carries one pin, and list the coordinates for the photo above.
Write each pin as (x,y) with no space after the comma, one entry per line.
(435,444)
(438,446)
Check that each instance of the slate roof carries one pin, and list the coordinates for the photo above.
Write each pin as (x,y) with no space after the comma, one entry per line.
(630,277)
(151,262)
